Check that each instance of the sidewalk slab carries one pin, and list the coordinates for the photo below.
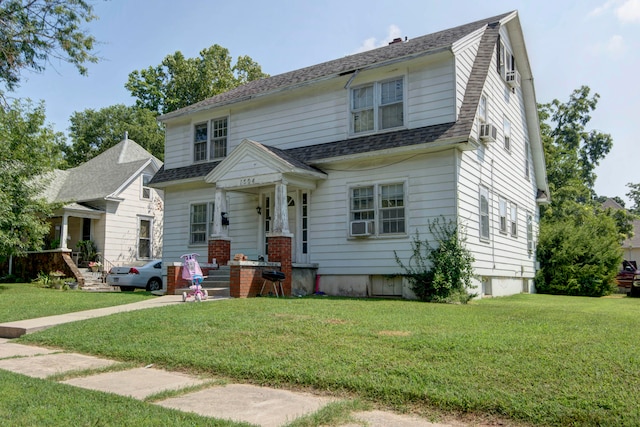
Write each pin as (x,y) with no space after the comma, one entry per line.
(137,383)
(9,349)
(50,364)
(20,327)
(262,406)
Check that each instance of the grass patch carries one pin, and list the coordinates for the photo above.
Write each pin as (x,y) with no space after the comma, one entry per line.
(538,359)
(26,401)
(19,301)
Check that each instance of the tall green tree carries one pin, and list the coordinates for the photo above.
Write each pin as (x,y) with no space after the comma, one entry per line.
(579,249)
(571,151)
(94,131)
(29,148)
(179,81)
(32,32)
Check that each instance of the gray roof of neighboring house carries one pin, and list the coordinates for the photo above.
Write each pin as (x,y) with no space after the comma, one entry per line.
(461,129)
(101,176)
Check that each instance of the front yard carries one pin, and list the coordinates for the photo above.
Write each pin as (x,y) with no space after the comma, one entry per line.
(535,359)
(19,301)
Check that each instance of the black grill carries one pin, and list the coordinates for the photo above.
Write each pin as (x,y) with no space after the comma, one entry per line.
(273,275)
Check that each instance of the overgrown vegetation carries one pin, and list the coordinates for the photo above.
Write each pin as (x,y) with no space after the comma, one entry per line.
(440,273)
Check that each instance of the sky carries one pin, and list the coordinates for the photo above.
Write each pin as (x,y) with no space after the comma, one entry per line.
(569,43)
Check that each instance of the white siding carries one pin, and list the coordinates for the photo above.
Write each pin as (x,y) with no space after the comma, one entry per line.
(320,114)
(502,172)
(122,220)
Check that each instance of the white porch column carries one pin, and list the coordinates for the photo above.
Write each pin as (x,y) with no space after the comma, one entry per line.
(219,206)
(64,232)
(281,215)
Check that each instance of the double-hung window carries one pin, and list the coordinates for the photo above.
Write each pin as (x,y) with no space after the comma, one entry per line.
(210,140)
(514,220)
(377,106)
(484,214)
(200,222)
(507,134)
(382,205)
(529,232)
(503,215)
(146,191)
(144,239)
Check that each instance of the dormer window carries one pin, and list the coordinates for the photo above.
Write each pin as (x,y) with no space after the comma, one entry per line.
(377,106)
(210,140)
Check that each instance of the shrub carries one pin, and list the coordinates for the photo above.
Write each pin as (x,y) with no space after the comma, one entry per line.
(578,256)
(442,273)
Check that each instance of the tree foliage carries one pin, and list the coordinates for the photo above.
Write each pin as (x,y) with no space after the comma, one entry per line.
(571,151)
(28,149)
(35,31)
(440,273)
(94,131)
(579,255)
(179,81)
(579,248)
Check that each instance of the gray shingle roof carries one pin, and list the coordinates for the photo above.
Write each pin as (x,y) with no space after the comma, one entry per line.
(102,175)
(459,130)
(419,45)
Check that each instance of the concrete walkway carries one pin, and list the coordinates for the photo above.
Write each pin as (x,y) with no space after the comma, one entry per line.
(239,402)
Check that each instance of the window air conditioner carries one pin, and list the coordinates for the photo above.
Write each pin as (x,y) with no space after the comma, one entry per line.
(512,78)
(362,228)
(488,133)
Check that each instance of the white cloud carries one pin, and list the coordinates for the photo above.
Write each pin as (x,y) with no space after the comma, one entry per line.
(602,9)
(629,12)
(371,43)
(614,47)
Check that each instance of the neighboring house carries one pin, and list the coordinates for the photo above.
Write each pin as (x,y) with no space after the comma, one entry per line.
(344,161)
(107,200)
(630,246)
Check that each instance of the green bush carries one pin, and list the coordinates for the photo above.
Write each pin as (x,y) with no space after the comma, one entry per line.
(442,273)
(578,256)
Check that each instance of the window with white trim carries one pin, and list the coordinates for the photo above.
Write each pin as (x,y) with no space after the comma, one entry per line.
(514,220)
(529,232)
(200,222)
(144,238)
(146,191)
(507,134)
(485,233)
(527,158)
(503,215)
(506,61)
(482,109)
(377,106)
(210,140)
(383,204)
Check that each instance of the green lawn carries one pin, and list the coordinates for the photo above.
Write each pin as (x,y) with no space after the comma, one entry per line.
(19,301)
(536,359)
(29,401)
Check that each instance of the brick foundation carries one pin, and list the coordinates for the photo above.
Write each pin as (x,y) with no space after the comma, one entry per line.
(174,279)
(280,251)
(220,250)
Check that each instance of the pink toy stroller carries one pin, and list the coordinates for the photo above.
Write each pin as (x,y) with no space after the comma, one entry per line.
(192,272)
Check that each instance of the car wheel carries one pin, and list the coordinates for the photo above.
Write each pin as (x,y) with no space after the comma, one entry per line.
(126,288)
(154,284)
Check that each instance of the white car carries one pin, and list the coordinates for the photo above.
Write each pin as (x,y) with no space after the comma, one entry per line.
(142,274)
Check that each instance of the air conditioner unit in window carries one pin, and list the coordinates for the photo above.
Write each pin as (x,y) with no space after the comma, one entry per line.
(362,228)
(512,78)
(488,133)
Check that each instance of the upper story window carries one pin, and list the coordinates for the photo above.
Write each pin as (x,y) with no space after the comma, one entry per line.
(507,134)
(146,191)
(507,65)
(377,209)
(210,140)
(377,106)
(482,109)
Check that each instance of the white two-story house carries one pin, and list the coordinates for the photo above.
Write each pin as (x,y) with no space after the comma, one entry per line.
(342,162)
